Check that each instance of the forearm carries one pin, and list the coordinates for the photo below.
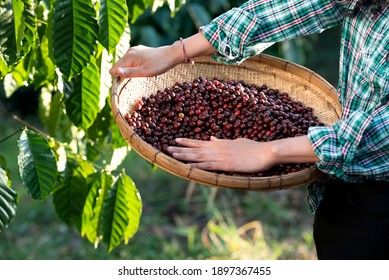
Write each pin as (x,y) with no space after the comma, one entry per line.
(195,46)
(243,155)
(143,61)
(293,150)
(245,31)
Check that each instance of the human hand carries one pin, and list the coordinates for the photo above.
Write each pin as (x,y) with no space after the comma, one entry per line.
(239,155)
(142,61)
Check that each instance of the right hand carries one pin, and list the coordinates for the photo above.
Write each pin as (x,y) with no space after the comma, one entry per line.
(142,61)
(239,155)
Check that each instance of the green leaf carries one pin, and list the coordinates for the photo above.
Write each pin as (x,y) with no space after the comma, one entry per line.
(104,61)
(98,184)
(92,150)
(70,194)
(52,114)
(175,6)
(49,31)
(135,207)
(112,22)
(82,97)
(157,4)
(100,128)
(30,26)
(44,71)
(8,201)
(37,164)
(15,79)
(10,85)
(17,7)
(3,165)
(9,44)
(3,68)
(118,140)
(123,44)
(118,156)
(56,113)
(74,35)
(121,212)
(136,8)
(18,29)
(51,111)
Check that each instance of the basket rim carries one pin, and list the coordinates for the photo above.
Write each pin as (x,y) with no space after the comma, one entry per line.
(312,173)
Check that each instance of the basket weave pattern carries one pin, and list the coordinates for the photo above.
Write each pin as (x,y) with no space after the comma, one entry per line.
(300,83)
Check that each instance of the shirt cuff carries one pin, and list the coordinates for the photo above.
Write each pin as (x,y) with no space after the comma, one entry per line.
(324,141)
(229,35)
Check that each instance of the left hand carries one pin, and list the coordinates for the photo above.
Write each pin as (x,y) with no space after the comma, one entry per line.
(239,155)
(143,61)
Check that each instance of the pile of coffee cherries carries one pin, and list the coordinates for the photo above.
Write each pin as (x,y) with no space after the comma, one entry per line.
(226,109)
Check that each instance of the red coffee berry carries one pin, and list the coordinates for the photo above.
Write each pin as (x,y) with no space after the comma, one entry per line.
(226,109)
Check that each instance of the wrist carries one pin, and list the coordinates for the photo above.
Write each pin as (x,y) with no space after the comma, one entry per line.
(176,51)
(292,150)
(191,47)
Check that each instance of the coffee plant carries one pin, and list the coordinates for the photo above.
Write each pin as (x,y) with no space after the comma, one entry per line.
(64,48)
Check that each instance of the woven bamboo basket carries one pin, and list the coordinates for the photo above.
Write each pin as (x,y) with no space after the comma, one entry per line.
(301,84)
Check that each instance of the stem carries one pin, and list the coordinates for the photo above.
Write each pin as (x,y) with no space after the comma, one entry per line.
(37,130)
(16,118)
(9,136)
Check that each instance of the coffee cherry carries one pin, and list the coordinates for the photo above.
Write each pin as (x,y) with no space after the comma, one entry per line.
(226,109)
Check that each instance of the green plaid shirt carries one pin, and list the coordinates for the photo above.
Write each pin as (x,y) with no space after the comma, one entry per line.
(357,147)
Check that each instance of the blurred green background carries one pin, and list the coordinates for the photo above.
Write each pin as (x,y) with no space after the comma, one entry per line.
(180,220)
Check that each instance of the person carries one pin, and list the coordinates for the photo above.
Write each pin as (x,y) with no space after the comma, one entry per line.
(352,203)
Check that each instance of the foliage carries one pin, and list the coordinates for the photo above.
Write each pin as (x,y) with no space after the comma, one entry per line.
(8,200)
(65,49)
(38,167)
(175,220)
(228,241)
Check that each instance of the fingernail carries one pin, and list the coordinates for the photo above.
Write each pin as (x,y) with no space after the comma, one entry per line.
(122,71)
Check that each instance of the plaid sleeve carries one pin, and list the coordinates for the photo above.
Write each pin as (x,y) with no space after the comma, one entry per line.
(356,147)
(245,31)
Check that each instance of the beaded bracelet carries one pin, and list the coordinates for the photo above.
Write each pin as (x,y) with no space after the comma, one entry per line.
(187,59)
